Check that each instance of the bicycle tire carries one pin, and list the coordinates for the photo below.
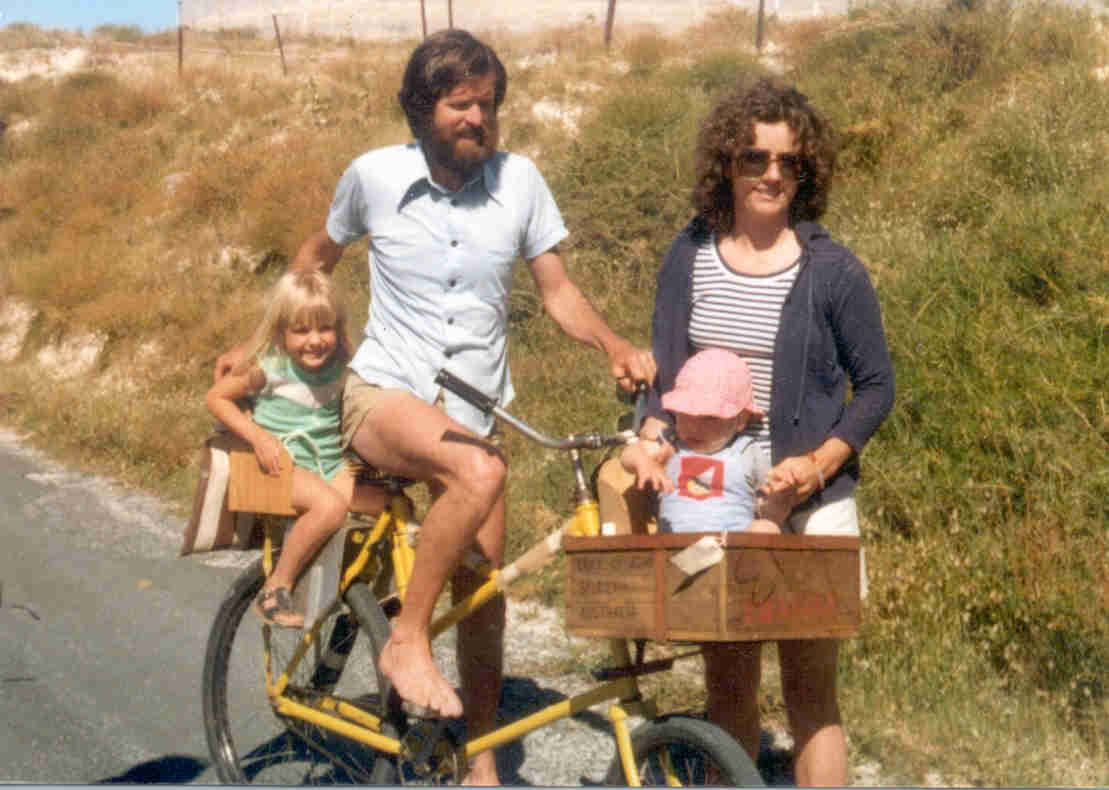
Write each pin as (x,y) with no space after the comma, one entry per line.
(699,752)
(249,743)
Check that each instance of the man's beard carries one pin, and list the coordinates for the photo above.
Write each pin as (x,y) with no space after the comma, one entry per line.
(463,160)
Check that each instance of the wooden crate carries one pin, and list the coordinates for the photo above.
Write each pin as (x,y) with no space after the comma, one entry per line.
(766,587)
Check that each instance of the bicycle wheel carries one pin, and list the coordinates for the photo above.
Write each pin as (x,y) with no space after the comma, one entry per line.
(680,750)
(248,741)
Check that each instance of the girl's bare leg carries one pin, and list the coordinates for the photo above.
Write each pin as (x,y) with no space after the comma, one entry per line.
(323,510)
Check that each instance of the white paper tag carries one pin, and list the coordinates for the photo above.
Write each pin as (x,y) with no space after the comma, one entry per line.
(700,555)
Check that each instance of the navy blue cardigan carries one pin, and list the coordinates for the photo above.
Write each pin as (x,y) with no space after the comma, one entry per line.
(830,332)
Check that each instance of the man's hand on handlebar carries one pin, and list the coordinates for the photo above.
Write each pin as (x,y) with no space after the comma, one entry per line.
(630,365)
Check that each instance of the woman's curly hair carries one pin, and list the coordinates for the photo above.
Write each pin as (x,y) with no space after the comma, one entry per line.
(730,128)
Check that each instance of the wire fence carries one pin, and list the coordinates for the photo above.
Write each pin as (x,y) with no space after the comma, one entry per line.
(416,18)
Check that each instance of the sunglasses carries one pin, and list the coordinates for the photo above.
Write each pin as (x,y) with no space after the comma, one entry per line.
(754,162)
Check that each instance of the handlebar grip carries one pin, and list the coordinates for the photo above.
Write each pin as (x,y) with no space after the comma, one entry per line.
(640,405)
(463,390)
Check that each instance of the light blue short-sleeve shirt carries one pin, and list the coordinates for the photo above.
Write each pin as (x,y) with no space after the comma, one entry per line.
(441,268)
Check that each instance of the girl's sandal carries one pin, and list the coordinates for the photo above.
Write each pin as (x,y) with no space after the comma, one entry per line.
(275,607)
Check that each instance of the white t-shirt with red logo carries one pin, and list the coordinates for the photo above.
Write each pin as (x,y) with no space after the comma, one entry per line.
(713,492)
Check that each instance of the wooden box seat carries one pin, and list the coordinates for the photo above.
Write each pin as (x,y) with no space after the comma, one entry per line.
(766,587)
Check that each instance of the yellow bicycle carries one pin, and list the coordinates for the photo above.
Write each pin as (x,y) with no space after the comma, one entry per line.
(308,706)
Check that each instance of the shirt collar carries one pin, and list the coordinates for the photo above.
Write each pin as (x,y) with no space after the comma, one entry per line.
(423,182)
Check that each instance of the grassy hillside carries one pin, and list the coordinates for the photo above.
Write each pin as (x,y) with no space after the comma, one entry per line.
(152,211)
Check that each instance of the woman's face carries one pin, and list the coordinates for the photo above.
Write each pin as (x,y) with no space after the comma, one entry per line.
(765,175)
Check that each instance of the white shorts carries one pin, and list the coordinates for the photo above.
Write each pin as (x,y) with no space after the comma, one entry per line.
(835,518)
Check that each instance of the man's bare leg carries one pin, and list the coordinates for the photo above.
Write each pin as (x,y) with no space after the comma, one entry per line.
(405,436)
(481,650)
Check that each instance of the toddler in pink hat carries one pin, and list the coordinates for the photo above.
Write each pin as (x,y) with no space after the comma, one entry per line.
(706,471)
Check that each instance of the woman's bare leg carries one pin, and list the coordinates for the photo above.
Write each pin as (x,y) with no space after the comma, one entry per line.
(732,674)
(809,687)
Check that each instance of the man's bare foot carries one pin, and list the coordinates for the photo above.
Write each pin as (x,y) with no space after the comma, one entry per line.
(411,669)
(483,771)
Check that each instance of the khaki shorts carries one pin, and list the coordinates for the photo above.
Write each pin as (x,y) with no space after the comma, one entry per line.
(360,398)
(835,518)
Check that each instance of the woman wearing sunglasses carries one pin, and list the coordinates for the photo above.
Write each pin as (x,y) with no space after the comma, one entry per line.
(754,273)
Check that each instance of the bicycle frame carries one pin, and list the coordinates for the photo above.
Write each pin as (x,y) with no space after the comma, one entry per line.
(391,533)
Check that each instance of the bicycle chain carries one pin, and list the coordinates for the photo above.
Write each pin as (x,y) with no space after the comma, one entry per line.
(357,774)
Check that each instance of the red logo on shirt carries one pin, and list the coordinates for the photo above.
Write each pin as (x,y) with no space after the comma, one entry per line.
(701,478)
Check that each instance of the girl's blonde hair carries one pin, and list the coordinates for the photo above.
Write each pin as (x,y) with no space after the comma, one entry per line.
(299,296)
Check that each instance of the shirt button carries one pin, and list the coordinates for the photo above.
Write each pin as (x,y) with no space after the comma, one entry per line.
(447,354)
(450,320)
(452,282)
(454,243)
(454,201)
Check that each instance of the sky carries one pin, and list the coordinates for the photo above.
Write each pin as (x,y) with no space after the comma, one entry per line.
(151,15)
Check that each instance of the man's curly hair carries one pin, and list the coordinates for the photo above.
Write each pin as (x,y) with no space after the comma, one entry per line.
(730,128)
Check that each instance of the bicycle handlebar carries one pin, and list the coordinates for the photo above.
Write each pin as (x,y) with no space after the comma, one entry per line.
(591,440)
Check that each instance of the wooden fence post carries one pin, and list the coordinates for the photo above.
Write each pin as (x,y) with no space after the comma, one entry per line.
(609,18)
(180,40)
(280,48)
(759,28)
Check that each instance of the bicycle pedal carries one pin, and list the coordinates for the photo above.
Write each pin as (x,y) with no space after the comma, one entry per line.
(429,749)
(391,606)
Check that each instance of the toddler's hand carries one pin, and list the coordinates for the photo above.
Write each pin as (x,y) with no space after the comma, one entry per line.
(646,459)
(764,526)
(775,504)
(651,475)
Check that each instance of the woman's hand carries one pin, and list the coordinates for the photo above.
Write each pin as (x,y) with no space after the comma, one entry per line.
(788,484)
(793,480)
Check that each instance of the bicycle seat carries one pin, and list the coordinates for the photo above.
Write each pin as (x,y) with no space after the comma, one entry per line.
(372,488)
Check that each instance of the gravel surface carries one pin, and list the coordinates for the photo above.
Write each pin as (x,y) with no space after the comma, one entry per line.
(572,751)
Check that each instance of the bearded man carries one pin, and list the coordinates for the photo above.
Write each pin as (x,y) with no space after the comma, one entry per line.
(447,217)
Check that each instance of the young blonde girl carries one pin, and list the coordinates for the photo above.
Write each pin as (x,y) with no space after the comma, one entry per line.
(294,371)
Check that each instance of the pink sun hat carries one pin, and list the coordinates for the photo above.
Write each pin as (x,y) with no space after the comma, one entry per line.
(713,383)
